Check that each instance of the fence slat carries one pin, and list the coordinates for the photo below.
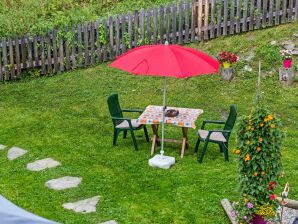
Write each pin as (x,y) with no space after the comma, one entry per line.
(4,56)
(232,17)
(155,17)
(245,7)
(142,26)
(61,55)
(252,15)
(30,57)
(193,26)
(290,11)
(200,15)
(130,30)
(55,55)
(92,43)
(225,25)
(219,17)
(161,25)
(36,52)
(264,18)
(238,27)
(105,51)
(277,11)
(111,42)
(148,28)
(11,59)
(296,10)
(23,52)
(43,64)
(212,18)
(186,36)
(174,23)
(123,32)
(180,22)
(136,28)
(86,43)
(49,55)
(1,71)
(117,35)
(67,54)
(73,48)
(206,21)
(18,59)
(258,18)
(271,5)
(80,45)
(284,11)
(168,22)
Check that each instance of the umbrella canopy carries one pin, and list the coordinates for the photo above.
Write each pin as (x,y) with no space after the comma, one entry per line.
(12,214)
(166,60)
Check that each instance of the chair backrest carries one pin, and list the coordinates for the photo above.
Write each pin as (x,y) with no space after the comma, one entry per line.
(114,106)
(231,119)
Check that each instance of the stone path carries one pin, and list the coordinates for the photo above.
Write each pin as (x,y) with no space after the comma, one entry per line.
(83,206)
(15,152)
(110,222)
(42,164)
(63,183)
(2,147)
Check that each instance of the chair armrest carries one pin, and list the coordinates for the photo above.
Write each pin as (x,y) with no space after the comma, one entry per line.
(123,119)
(133,110)
(211,122)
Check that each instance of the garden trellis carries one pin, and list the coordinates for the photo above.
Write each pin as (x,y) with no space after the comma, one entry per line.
(99,41)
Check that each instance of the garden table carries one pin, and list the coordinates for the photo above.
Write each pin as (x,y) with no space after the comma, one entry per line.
(185,119)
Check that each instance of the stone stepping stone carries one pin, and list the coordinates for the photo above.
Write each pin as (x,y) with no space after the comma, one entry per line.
(63,183)
(2,147)
(83,206)
(42,164)
(110,222)
(15,152)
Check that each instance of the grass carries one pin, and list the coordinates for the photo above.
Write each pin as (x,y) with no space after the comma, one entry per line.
(65,117)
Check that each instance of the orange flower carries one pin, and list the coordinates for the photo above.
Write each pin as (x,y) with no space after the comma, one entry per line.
(263,173)
(269,117)
(252,129)
(247,158)
(236,151)
(261,124)
(255,174)
(259,149)
(248,142)
(260,139)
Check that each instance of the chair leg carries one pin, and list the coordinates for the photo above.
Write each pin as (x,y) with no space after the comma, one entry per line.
(116,133)
(203,151)
(146,133)
(124,134)
(226,151)
(221,147)
(197,145)
(134,140)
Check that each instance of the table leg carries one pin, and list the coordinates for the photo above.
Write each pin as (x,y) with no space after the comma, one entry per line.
(155,137)
(184,141)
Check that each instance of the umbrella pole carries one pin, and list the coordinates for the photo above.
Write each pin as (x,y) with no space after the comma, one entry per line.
(163,118)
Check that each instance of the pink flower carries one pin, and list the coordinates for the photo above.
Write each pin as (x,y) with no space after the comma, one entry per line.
(250,205)
(245,217)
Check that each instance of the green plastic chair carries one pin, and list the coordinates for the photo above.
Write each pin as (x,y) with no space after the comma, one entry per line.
(122,124)
(220,137)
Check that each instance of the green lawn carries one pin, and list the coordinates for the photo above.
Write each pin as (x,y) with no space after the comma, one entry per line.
(65,117)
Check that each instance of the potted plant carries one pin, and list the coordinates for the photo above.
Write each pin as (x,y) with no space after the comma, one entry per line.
(226,59)
(287,58)
(259,149)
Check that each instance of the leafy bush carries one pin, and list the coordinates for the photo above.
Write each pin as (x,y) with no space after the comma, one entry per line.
(259,149)
(269,55)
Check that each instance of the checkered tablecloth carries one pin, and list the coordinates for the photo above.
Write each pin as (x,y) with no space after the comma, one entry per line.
(186,118)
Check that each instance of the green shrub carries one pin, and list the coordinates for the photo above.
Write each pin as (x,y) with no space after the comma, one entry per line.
(269,55)
(259,149)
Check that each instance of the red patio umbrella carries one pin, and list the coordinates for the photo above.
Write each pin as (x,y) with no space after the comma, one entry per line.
(168,61)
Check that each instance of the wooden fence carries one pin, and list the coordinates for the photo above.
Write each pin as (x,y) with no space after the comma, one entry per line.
(95,42)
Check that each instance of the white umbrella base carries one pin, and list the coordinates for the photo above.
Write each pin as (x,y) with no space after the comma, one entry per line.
(163,162)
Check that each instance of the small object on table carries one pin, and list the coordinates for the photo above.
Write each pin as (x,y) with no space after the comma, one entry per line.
(172,113)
